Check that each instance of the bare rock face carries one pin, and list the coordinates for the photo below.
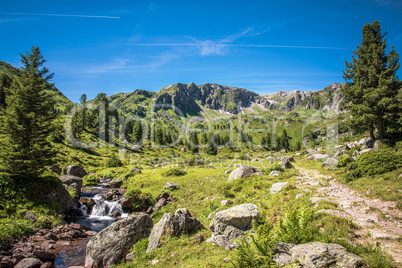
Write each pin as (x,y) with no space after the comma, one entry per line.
(113,243)
(316,255)
(174,224)
(232,224)
(244,172)
(75,170)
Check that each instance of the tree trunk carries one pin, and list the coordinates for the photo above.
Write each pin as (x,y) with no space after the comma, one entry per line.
(380,128)
(371,131)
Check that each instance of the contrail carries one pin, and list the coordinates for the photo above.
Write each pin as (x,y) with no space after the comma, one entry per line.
(62,15)
(233,45)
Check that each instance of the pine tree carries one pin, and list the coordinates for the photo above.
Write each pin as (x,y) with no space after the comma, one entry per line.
(193,143)
(28,121)
(211,149)
(284,140)
(83,101)
(372,86)
(5,83)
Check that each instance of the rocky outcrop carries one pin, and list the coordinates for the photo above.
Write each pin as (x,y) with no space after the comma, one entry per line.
(173,224)
(113,243)
(232,223)
(29,263)
(244,172)
(75,170)
(316,255)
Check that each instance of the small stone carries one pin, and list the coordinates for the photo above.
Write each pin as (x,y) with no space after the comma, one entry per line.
(276,187)
(226,202)
(226,260)
(171,185)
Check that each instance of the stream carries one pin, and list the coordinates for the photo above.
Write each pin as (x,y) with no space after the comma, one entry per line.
(98,219)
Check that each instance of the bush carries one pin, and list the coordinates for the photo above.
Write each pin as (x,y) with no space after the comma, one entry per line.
(90,180)
(273,167)
(113,161)
(174,172)
(373,163)
(343,160)
(133,193)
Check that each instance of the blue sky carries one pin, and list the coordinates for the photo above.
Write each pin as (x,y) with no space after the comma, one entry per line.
(264,46)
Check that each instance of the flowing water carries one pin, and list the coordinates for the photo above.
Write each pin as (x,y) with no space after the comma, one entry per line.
(99,218)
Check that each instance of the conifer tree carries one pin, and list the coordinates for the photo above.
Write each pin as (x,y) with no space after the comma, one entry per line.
(83,101)
(372,86)
(5,83)
(27,121)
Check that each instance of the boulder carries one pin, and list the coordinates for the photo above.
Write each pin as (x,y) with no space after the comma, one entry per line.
(319,157)
(244,172)
(289,158)
(30,216)
(317,254)
(73,182)
(113,243)
(55,168)
(226,202)
(88,202)
(276,187)
(232,223)
(271,159)
(137,148)
(29,263)
(161,202)
(275,173)
(228,171)
(330,162)
(75,170)
(283,151)
(286,164)
(173,224)
(366,151)
(368,142)
(60,196)
(171,185)
(116,183)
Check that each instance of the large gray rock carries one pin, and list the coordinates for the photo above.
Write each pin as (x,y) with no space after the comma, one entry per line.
(366,151)
(232,223)
(330,162)
(73,182)
(244,172)
(113,243)
(367,141)
(55,168)
(286,164)
(173,224)
(29,263)
(60,196)
(276,187)
(75,170)
(320,157)
(317,254)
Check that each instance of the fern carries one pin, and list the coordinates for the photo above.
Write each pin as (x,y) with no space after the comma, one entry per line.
(256,250)
(297,226)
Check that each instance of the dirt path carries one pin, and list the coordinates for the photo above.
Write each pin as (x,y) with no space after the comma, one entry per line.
(379,218)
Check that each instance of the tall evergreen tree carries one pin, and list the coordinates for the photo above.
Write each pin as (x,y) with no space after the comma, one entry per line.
(28,120)
(5,83)
(193,143)
(372,86)
(83,101)
(284,140)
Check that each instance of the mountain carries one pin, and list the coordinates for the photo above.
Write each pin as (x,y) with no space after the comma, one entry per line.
(62,102)
(209,100)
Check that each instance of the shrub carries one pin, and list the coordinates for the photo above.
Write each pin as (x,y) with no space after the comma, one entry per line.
(90,180)
(373,163)
(273,167)
(379,162)
(343,160)
(174,172)
(113,161)
(133,193)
